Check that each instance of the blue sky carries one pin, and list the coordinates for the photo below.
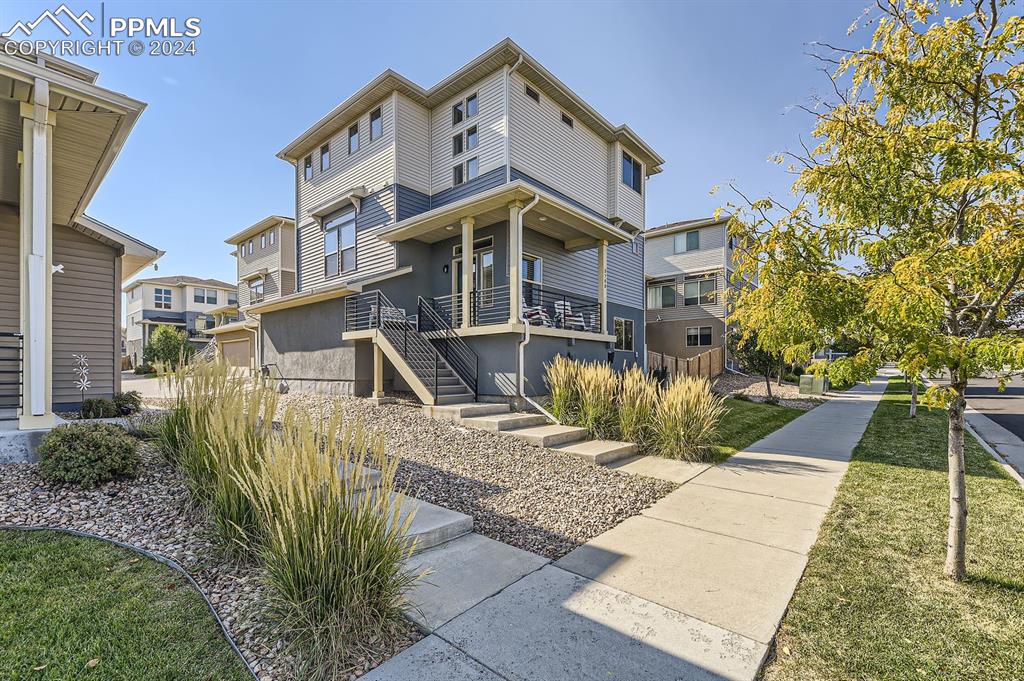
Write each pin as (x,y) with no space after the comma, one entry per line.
(711,86)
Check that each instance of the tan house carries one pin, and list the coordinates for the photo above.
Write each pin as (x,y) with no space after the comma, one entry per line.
(62,270)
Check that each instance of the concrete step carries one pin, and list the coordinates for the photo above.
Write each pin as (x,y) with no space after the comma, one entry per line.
(455,398)
(371,476)
(455,389)
(448,380)
(464,409)
(499,422)
(549,436)
(599,452)
(434,525)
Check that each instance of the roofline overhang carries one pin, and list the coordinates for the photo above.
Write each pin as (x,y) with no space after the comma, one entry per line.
(664,230)
(241,325)
(179,284)
(315,295)
(264,224)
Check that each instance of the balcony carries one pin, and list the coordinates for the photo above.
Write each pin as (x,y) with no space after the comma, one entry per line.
(540,308)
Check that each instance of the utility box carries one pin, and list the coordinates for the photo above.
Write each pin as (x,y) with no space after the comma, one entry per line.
(812,385)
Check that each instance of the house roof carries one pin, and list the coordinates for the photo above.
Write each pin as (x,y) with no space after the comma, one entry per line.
(135,254)
(181,280)
(264,224)
(684,225)
(505,53)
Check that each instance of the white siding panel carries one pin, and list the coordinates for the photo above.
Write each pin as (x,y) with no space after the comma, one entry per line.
(490,122)
(412,145)
(660,259)
(681,311)
(630,203)
(571,160)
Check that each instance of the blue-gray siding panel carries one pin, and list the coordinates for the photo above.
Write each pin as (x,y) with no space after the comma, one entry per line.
(488,180)
(409,202)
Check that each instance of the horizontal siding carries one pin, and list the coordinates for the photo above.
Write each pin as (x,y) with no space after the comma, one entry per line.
(412,145)
(10,143)
(482,183)
(271,288)
(626,274)
(630,204)
(520,175)
(269,257)
(410,202)
(681,311)
(571,160)
(490,122)
(660,259)
(10,288)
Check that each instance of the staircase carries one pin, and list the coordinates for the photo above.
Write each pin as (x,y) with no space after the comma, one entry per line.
(534,429)
(436,363)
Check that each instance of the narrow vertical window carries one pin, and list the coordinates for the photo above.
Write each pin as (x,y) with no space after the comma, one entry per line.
(472,168)
(471,105)
(307,167)
(376,124)
(456,145)
(457,113)
(353,139)
(632,173)
(457,176)
(273,236)
(325,157)
(471,138)
(263,240)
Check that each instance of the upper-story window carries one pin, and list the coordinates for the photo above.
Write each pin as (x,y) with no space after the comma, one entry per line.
(472,168)
(376,124)
(700,291)
(340,242)
(632,173)
(458,112)
(205,295)
(734,241)
(273,236)
(472,139)
(232,297)
(661,295)
(458,175)
(471,105)
(457,144)
(256,290)
(250,246)
(307,167)
(162,298)
(353,139)
(686,241)
(567,119)
(325,157)
(263,240)
(532,94)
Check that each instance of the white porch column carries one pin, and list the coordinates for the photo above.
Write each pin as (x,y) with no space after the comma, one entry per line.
(515,265)
(37,258)
(602,282)
(378,372)
(467,270)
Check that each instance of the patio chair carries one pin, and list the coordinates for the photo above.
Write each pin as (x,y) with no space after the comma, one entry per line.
(565,318)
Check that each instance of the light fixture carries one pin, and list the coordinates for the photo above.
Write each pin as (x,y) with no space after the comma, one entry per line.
(543,218)
(450,227)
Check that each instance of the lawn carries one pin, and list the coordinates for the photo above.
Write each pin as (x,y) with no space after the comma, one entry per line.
(873,602)
(744,423)
(74,608)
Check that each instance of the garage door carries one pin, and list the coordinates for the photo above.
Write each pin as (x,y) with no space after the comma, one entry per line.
(237,353)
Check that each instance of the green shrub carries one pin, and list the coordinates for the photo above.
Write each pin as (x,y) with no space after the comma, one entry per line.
(168,346)
(598,388)
(561,377)
(638,398)
(99,408)
(144,425)
(686,418)
(145,369)
(128,402)
(88,454)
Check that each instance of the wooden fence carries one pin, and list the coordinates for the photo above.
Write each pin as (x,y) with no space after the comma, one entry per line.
(708,364)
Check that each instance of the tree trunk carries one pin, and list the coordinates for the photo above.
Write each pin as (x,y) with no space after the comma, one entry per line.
(913,400)
(956,539)
(768,382)
(782,370)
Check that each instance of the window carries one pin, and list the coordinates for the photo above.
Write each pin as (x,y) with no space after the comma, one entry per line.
(256,290)
(162,298)
(566,119)
(263,240)
(632,173)
(457,177)
(734,242)
(624,334)
(340,242)
(697,336)
(471,105)
(325,157)
(211,296)
(661,295)
(250,246)
(686,241)
(482,243)
(353,139)
(471,138)
(273,236)
(700,292)
(472,168)
(532,94)
(307,167)
(376,124)
(232,297)
(457,145)
(199,295)
(457,113)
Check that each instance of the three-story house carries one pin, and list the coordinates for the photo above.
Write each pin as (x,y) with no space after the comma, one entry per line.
(451,240)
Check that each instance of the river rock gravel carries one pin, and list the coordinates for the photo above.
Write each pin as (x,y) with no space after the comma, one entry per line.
(536,499)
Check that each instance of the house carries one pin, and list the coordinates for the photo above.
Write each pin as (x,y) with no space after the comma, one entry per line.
(62,270)
(451,240)
(688,266)
(187,303)
(265,257)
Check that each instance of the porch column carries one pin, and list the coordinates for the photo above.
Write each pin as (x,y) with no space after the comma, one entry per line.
(515,266)
(467,270)
(378,372)
(602,282)
(36,217)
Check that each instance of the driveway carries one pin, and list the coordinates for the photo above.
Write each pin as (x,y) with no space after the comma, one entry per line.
(148,387)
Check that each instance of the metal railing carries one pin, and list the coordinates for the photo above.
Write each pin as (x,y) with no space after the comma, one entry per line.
(449,307)
(12,356)
(545,307)
(490,306)
(456,352)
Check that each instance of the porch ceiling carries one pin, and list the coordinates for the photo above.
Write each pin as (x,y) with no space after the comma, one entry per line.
(552,216)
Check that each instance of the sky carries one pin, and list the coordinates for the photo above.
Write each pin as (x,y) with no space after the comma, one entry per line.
(713,87)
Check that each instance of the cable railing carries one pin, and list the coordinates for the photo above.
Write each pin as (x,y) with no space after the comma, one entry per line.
(12,355)
(456,352)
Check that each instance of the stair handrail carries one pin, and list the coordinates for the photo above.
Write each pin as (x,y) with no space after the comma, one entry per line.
(391,321)
(467,361)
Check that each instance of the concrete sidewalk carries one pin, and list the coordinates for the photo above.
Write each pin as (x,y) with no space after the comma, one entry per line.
(693,588)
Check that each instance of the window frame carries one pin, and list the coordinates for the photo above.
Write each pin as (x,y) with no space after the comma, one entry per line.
(377,115)
(537,259)
(340,222)
(263,241)
(325,157)
(307,167)
(163,298)
(699,298)
(273,236)
(531,93)
(233,294)
(458,175)
(475,163)
(634,178)
(567,120)
(199,295)
(457,145)
(254,285)
(353,135)
(215,296)
(476,106)
(632,333)
(684,239)
(458,112)
(483,243)
(476,138)
(671,285)
(250,247)
(699,336)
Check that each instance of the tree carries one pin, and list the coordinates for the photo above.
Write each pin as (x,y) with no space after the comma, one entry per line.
(745,349)
(908,221)
(167,345)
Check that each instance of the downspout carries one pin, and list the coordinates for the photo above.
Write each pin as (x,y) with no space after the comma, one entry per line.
(526,325)
(508,123)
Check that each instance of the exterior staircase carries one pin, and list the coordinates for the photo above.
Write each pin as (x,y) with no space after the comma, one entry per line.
(534,429)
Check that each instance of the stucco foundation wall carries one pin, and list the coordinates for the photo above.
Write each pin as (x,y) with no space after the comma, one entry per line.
(670,337)
(499,355)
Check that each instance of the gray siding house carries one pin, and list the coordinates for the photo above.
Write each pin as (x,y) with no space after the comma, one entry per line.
(451,240)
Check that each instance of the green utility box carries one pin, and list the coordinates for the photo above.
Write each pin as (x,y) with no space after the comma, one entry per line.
(812,385)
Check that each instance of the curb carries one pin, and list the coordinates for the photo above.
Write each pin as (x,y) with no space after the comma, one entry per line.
(174,565)
(1010,470)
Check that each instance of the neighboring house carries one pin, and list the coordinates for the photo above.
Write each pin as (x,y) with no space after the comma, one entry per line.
(62,270)
(187,303)
(688,266)
(500,164)
(265,257)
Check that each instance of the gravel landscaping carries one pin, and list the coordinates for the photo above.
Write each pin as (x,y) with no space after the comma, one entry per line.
(153,513)
(753,387)
(535,499)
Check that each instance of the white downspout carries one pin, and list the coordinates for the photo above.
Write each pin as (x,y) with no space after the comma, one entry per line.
(521,368)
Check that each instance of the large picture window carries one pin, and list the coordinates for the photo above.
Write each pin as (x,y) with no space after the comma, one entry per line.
(162,298)
(661,295)
(686,241)
(700,292)
(340,242)
(256,290)
(697,336)
(533,278)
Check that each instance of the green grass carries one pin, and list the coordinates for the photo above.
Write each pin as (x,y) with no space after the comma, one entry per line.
(66,600)
(744,423)
(873,602)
